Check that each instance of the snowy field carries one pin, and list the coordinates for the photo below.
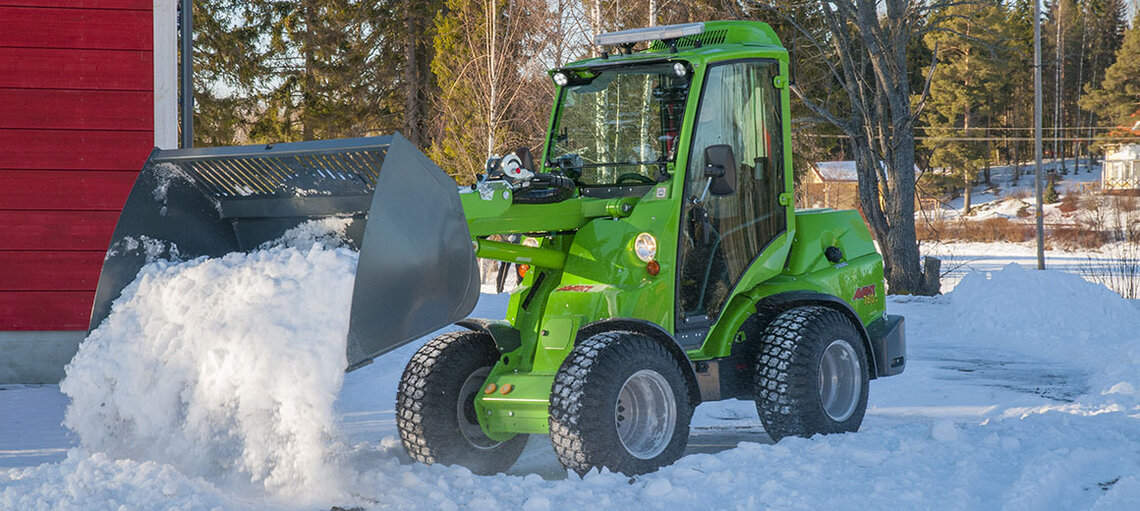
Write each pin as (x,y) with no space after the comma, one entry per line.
(1005,196)
(217,385)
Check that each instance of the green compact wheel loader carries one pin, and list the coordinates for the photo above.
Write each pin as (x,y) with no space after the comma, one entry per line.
(665,264)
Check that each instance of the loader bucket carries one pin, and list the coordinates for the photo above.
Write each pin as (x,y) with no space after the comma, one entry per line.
(416,270)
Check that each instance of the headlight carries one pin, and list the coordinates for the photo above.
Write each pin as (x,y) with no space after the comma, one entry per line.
(645,246)
(561,79)
(680,69)
(531,242)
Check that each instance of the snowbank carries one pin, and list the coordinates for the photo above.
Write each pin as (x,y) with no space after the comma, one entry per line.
(225,369)
(1051,315)
(86,481)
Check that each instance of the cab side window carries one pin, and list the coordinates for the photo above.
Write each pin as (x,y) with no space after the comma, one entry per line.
(722,235)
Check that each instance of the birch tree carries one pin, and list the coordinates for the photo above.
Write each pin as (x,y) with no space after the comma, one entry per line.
(484,62)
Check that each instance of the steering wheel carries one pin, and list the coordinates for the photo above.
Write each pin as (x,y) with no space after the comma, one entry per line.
(634,176)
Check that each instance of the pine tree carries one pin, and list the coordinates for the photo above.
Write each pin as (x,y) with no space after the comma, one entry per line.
(1117,98)
(268,71)
(960,90)
(228,66)
(417,84)
(1018,83)
(1050,195)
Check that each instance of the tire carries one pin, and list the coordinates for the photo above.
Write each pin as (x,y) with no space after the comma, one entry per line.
(435,405)
(811,374)
(642,383)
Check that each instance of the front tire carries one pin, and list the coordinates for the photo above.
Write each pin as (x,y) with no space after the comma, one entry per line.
(811,374)
(619,401)
(435,405)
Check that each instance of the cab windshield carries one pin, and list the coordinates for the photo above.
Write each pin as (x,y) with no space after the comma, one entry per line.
(621,128)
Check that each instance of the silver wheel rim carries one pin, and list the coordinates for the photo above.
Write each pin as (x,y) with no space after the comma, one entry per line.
(465,410)
(840,380)
(646,413)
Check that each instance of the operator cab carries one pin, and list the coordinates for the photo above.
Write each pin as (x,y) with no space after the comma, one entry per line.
(617,132)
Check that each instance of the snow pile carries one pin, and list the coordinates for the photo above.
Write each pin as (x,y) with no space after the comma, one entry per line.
(328,232)
(226,369)
(1052,315)
(1049,305)
(87,481)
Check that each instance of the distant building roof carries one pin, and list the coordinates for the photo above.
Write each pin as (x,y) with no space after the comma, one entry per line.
(1124,152)
(843,171)
(836,170)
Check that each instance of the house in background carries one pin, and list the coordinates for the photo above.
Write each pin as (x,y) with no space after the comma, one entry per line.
(87,89)
(832,184)
(835,185)
(1121,173)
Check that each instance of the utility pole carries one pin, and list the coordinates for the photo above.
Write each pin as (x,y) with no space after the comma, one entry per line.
(1059,76)
(187,73)
(1037,131)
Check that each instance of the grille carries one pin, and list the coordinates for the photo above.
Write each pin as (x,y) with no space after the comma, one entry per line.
(690,41)
(284,170)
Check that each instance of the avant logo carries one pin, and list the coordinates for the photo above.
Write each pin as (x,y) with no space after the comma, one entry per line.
(576,288)
(865,293)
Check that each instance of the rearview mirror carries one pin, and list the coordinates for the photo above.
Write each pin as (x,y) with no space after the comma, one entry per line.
(720,165)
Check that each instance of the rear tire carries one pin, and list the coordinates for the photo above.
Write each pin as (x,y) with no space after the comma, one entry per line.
(435,405)
(619,401)
(811,374)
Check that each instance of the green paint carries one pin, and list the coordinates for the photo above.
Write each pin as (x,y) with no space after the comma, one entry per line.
(586,255)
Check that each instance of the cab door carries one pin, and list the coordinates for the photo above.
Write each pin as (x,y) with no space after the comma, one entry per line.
(721,235)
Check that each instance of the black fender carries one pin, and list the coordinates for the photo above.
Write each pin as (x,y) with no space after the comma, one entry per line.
(655,332)
(506,337)
(771,306)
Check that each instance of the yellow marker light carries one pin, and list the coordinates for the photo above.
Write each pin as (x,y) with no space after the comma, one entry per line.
(490,389)
(507,388)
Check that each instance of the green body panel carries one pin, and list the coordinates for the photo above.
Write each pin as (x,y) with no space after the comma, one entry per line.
(491,211)
(807,269)
(585,268)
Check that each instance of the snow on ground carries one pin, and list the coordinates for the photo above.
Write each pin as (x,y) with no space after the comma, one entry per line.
(1022,391)
(962,258)
(1007,198)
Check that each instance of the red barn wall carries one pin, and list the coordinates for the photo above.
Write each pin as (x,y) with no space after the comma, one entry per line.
(76,125)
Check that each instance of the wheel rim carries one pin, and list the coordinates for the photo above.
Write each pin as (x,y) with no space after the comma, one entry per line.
(840,380)
(646,413)
(465,410)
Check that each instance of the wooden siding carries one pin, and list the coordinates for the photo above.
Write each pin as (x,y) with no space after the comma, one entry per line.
(76,125)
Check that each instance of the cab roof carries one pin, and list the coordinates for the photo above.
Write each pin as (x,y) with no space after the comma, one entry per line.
(714,40)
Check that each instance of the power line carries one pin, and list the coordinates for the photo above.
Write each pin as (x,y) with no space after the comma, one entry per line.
(993,139)
(1067,128)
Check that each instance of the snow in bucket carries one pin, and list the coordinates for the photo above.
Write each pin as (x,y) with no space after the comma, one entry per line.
(225,369)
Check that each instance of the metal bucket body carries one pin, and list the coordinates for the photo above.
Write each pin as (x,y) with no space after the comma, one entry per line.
(416,271)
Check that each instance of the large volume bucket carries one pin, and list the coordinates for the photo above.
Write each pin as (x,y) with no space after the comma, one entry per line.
(417,269)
